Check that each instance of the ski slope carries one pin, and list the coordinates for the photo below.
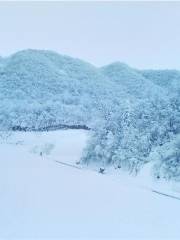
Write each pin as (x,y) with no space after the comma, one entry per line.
(40,198)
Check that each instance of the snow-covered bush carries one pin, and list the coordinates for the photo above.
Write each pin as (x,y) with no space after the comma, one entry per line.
(167,160)
(128,136)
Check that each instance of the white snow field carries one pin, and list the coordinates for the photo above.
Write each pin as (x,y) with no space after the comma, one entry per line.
(42,199)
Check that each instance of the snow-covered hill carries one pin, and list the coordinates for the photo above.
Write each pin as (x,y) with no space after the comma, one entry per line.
(129,135)
(128,113)
(134,82)
(49,184)
(40,198)
(42,88)
(168,79)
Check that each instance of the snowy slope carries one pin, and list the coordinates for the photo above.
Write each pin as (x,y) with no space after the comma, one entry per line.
(135,83)
(168,79)
(130,115)
(132,133)
(42,88)
(40,198)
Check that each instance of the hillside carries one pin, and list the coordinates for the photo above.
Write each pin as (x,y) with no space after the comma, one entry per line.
(168,79)
(130,135)
(128,113)
(133,81)
(43,88)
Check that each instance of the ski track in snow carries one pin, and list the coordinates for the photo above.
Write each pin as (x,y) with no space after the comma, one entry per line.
(41,198)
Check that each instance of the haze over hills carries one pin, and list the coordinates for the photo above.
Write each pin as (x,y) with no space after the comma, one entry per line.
(130,112)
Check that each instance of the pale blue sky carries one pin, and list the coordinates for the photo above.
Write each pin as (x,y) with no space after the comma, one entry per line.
(144,35)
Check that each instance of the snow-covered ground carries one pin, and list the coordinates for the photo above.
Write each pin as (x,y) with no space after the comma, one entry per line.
(40,198)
